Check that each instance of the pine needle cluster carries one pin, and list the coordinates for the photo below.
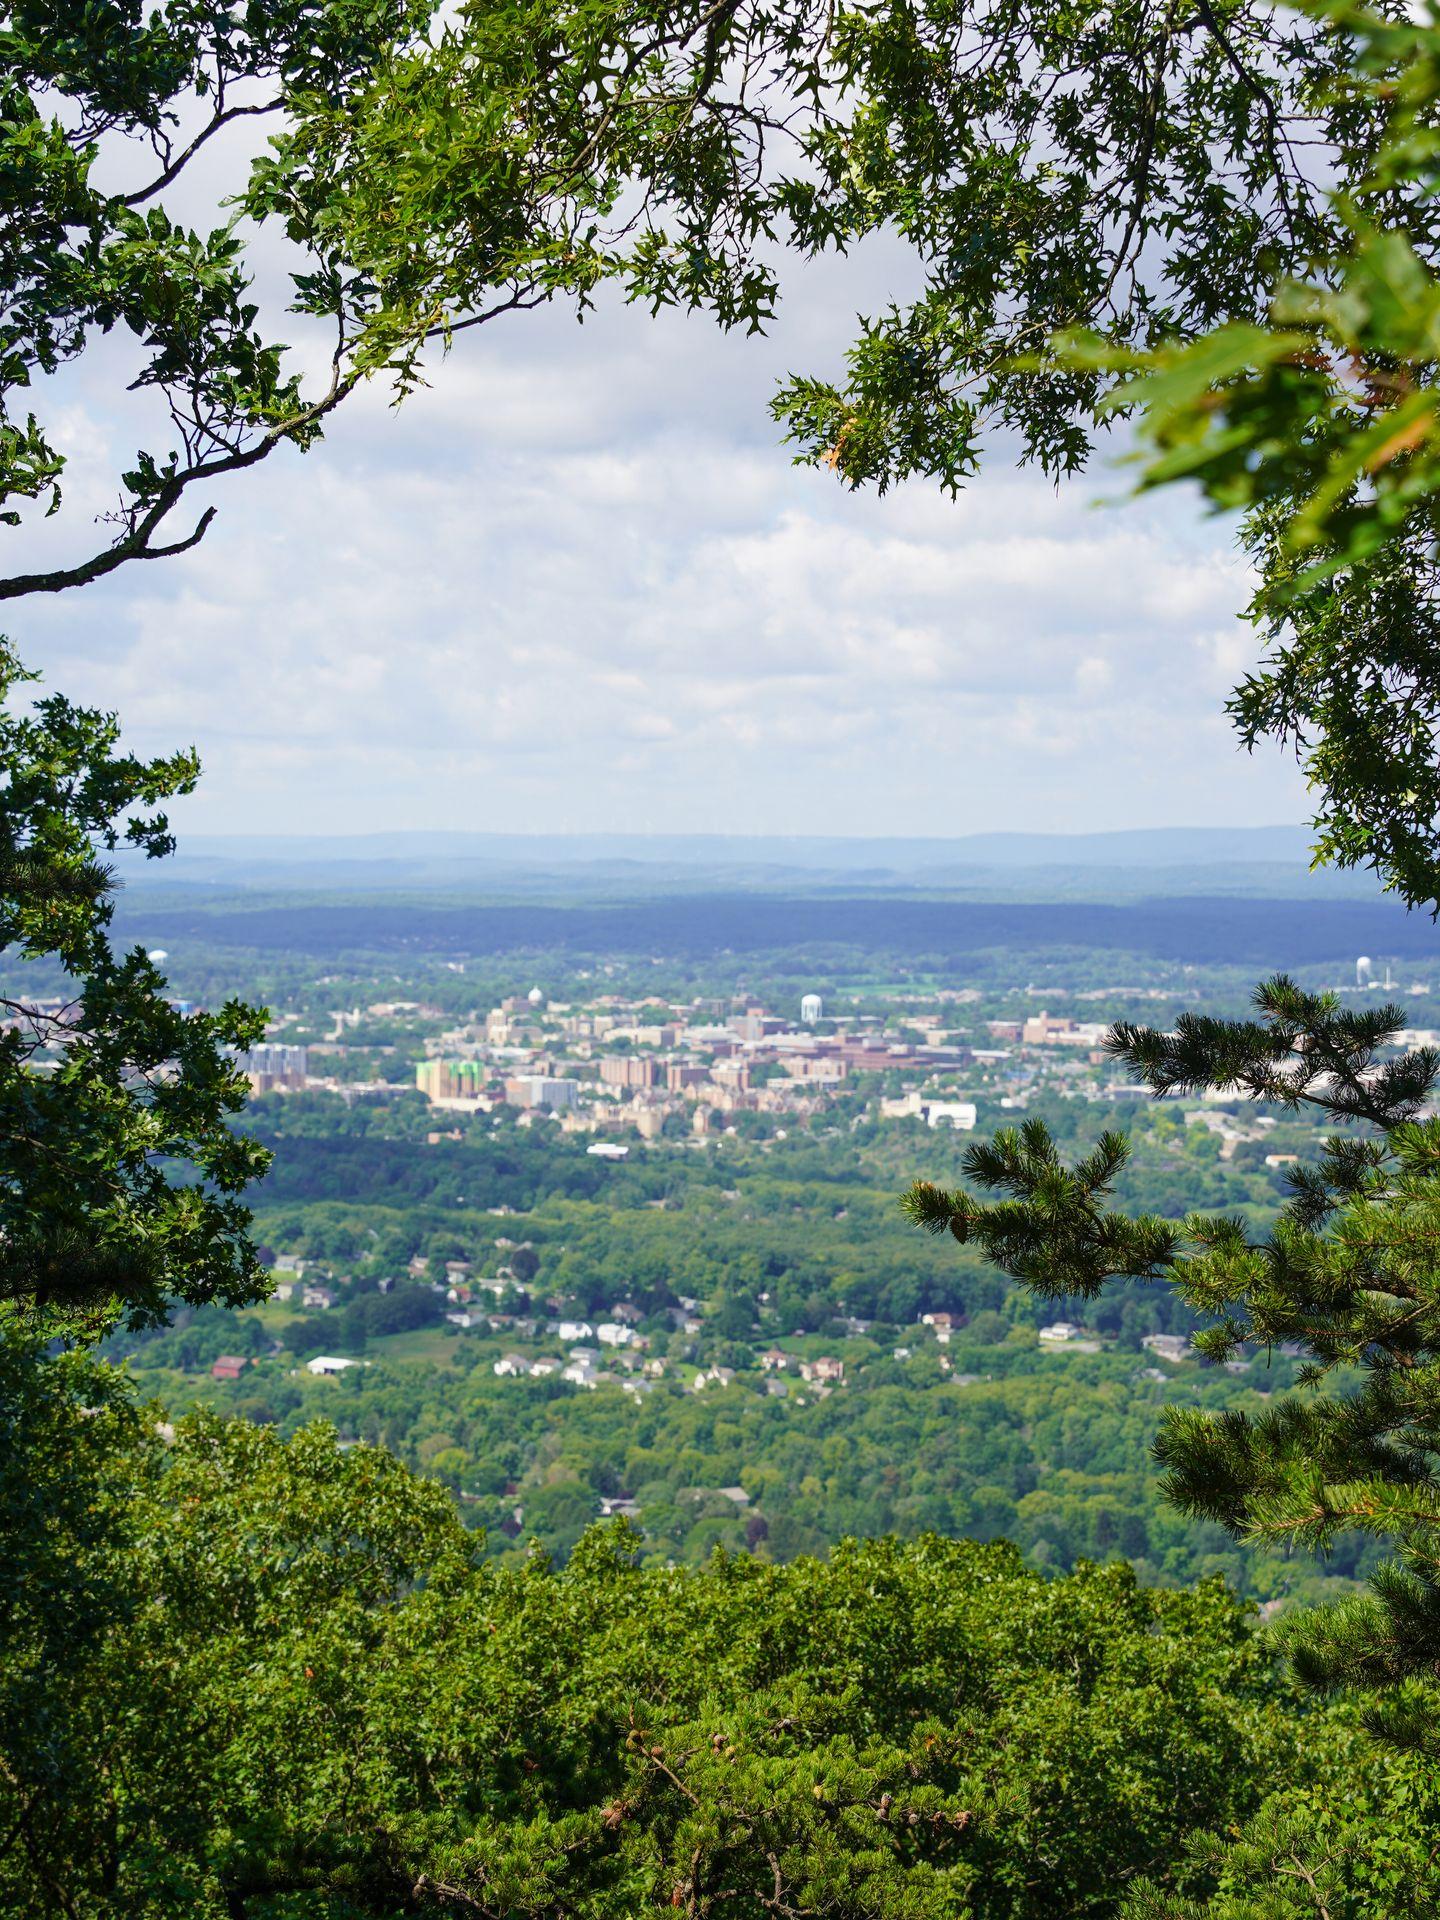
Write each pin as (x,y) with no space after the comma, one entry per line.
(1349,1274)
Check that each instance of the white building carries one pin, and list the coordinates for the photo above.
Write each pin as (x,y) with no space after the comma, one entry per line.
(1060,1332)
(1173,1347)
(325,1363)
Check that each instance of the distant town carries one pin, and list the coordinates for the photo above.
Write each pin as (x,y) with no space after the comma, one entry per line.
(619,1067)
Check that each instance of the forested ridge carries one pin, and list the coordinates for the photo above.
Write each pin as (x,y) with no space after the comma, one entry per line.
(1258,934)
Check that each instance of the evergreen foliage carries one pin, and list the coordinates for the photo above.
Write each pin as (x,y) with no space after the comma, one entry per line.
(1348,1274)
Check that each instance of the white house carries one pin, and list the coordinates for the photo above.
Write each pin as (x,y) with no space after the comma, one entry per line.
(1173,1347)
(614,1333)
(512,1364)
(574,1330)
(324,1363)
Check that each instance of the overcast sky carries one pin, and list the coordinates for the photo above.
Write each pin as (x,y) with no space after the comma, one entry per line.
(578,585)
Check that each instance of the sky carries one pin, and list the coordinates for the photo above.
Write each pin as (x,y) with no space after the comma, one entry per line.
(578,584)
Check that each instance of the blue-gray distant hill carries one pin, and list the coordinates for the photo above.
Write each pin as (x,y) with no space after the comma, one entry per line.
(1270,862)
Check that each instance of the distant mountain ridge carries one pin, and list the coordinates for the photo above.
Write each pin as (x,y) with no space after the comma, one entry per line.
(1270,861)
(1134,846)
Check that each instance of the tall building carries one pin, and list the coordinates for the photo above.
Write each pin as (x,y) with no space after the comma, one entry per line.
(679,1076)
(272,1066)
(451,1079)
(539,1090)
(630,1070)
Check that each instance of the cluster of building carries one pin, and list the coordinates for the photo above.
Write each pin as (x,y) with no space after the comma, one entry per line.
(601,1067)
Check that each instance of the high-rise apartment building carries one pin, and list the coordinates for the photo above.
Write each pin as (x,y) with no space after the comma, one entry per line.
(452,1079)
(630,1070)
(272,1066)
(540,1090)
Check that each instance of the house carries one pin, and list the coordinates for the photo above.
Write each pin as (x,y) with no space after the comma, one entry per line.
(580,1373)
(283,1290)
(614,1505)
(614,1333)
(608,1150)
(1064,1333)
(1168,1346)
(824,1370)
(712,1377)
(229,1366)
(512,1364)
(774,1360)
(625,1311)
(327,1363)
(568,1330)
(315,1296)
(465,1319)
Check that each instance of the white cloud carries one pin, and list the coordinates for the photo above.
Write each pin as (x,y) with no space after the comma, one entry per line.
(578,584)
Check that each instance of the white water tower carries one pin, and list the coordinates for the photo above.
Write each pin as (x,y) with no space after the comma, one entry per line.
(811,1008)
(1364,971)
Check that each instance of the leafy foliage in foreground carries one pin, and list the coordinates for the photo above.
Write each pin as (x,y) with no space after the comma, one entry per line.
(439,169)
(1348,1272)
(250,1678)
(102,1086)
(1321,420)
